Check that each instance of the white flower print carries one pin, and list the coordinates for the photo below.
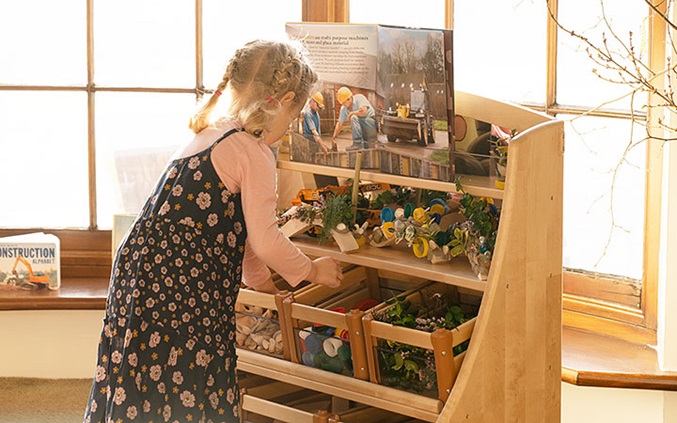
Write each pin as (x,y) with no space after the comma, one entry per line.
(176,239)
(231,239)
(230,396)
(202,358)
(191,302)
(168,281)
(172,172)
(223,259)
(120,395)
(198,258)
(171,307)
(190,344)
(188,221)
(231,209)
(122,322)
(182,280)
(100,373)
(214,400)
(212,219)
(205,296)
(116,357)
(128,337)
(238,227)
(197,176)
(164,209)
(163,244)
(155,287)
(133,359)
(203,200)
(194,272)
(161,388)
(210,380)
(206,321)
(150,303)
(173,357)
(154,339)
(185,317)
(177,378)
(146,406)
(158,258)
(187,399)
(132,412)
(194,162)
(219,238)
(167,412)
(178,262)
(155,372)
(225,195)
(177,190)
(95,405)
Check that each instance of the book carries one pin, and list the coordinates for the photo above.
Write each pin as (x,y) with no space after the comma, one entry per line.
(30,261)
(405,75)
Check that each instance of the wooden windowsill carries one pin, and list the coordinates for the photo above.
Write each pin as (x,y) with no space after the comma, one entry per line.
(588,359)
(74,294)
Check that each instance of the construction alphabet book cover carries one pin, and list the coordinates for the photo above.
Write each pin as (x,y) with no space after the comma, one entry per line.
(30,261)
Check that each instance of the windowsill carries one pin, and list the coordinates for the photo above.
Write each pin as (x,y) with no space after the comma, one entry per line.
(74,294)
(588,359)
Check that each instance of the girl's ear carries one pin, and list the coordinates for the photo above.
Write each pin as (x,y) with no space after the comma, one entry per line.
(287,98)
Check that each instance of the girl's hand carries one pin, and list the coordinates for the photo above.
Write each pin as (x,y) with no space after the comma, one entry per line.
(325,271)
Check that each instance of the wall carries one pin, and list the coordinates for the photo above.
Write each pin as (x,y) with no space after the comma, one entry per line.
(49,343)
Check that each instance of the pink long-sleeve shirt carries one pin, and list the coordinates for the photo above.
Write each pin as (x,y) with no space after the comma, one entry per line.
(246,165)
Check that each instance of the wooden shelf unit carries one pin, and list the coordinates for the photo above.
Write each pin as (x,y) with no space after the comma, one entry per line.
(512,368)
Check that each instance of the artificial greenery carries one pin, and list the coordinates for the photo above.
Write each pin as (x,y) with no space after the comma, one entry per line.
(408,367)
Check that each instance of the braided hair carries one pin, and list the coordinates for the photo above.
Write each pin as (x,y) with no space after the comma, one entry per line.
(258,75)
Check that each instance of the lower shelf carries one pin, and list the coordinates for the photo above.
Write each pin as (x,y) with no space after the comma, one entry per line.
(416,406)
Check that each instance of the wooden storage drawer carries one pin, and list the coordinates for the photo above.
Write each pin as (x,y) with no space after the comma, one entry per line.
(260,326)
(326,324)
(413,358)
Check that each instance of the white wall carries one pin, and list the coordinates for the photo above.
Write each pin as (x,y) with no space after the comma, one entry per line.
(49,343)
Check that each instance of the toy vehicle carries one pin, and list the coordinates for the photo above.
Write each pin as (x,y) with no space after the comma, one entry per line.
(29,278)
(411,122)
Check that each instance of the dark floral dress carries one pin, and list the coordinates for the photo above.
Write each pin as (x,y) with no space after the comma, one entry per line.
(167,352)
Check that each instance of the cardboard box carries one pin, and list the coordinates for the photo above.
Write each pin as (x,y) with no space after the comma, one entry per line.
(30,261)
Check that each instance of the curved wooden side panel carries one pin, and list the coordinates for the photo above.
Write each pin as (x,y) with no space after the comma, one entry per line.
(512,369)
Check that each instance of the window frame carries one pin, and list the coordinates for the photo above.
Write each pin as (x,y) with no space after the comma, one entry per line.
(636,324)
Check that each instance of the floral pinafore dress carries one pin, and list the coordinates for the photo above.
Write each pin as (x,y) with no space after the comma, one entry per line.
(167,350)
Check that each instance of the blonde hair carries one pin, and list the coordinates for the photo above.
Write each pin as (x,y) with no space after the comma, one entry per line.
(259,74)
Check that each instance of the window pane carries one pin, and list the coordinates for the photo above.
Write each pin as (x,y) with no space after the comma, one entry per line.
(229,25)
(43,146)
(149,43)
(136,134)
(43,42)
(575,75)
(499,49)
(394,12)
(604,196)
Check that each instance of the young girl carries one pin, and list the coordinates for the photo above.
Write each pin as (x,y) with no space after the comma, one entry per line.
(167,351)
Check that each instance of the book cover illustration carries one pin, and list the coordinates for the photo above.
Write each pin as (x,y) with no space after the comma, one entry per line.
(403,75)
(30,261)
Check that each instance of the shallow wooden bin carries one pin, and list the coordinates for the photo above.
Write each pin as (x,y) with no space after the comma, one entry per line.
(267,401)
(336,341)
(441,342)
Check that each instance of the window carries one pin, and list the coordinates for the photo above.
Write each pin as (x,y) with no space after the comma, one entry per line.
(85,135)
(89,121)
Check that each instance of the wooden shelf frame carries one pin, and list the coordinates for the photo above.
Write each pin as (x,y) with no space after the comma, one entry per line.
(512,368)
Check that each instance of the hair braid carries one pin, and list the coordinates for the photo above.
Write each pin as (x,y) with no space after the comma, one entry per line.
(258,75)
